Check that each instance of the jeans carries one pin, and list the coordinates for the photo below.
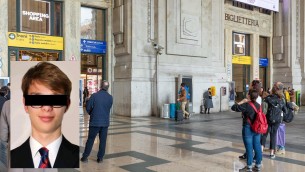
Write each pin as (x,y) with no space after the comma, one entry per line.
(252,141)
(272,128)
(91,137)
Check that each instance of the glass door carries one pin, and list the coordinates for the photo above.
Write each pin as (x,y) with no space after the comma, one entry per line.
(92,71)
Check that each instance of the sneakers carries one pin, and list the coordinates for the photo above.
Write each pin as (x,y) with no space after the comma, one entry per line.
(255,168)
(83,159)
(245,169)
(272,156)
(244,156)
(99,160)
(280,152)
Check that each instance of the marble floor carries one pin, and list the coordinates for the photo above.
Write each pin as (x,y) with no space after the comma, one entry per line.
(203,143)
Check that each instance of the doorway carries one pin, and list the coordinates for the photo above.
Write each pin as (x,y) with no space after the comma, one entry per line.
(188,83)
(241,76)
(92,72)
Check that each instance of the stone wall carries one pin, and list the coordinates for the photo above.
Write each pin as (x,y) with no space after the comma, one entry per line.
(193,47)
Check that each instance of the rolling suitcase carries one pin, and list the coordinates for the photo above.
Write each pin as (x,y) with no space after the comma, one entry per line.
(179,115)
(202,107)
(179,112)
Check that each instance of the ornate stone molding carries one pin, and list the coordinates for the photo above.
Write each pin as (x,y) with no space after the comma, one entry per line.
(297,60)
(122,27)
(188,24)
(150,13)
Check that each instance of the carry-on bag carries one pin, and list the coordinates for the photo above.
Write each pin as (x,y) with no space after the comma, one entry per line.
(280,136)
(179,112)
(179,115)
(202,107)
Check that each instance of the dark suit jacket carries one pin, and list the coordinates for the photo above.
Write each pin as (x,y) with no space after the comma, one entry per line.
(98,107)
(67,156)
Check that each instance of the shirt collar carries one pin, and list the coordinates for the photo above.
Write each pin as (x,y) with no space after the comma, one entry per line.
(53,148)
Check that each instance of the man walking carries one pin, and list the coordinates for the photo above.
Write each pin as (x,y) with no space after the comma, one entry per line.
(183,100)
(98,107)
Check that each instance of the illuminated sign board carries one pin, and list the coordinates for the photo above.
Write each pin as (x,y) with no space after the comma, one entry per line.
(16,39)
(267,4)
(93,46)
(263,62)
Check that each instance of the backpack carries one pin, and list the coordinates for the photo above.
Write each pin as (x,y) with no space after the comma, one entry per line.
(259,125)
(188,97)
(274,110)
(288,116)
(264,106)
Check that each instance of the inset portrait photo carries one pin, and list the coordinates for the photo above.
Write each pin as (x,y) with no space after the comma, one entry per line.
(44,114)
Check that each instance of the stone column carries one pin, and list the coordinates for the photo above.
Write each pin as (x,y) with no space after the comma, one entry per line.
(3,37)
(122,52)
(71,30)
(254,38)
(228,52)
(270,68)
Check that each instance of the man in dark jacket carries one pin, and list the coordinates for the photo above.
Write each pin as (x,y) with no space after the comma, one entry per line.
(98,107)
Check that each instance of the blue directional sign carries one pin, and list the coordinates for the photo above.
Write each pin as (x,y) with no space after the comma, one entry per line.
(93,46)
(263,62)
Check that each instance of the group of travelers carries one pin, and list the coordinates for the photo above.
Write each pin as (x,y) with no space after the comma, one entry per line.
(184,99)
(266,110)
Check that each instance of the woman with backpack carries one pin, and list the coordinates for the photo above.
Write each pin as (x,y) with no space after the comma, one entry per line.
(276,108)
(251,139)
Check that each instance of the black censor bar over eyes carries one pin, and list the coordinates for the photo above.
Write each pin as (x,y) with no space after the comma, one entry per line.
(51,100)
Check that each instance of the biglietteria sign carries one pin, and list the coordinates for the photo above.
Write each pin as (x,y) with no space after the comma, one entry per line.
(242,20)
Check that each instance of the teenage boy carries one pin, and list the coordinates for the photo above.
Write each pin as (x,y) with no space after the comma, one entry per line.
(46,98)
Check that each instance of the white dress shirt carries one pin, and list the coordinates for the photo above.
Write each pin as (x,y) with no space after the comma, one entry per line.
(53,148)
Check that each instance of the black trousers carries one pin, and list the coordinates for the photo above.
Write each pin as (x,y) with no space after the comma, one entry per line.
(205,110)
(272,129)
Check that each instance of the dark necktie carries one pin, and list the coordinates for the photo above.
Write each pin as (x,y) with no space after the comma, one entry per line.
(44,161)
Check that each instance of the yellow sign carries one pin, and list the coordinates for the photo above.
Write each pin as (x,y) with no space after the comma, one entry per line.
(213,90)
(16,39)
(242,60)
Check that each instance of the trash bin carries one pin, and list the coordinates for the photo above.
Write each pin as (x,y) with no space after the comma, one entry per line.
(172,110)
(164,111)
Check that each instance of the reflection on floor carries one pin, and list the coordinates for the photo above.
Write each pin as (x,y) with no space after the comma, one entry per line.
(203,143)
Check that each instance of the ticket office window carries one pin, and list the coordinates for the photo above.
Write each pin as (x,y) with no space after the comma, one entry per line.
(241,72)
(35,16)
(241,44)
